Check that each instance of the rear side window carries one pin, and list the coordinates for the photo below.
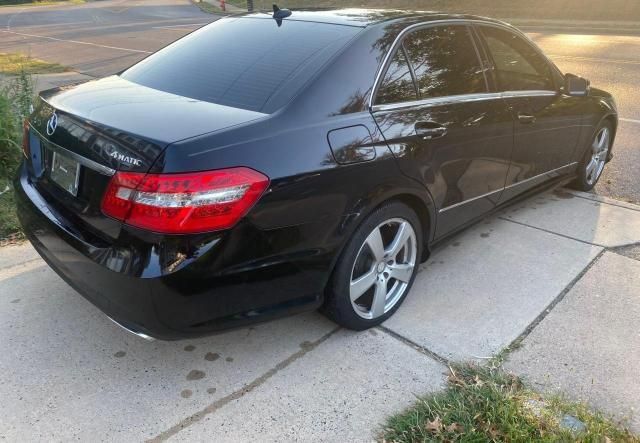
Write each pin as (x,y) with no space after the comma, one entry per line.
(445,61)
(246,63)
(518,66)
(397,85)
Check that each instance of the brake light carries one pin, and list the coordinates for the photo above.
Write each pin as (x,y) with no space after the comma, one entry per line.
(183,203)
(26,149)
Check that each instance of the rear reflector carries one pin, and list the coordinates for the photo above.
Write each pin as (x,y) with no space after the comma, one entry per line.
(183,203)
(25,139)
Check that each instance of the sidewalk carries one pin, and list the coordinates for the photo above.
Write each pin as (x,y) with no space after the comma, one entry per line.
(555,274)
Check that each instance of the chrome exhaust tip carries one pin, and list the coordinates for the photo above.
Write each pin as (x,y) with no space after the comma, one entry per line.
(131,331)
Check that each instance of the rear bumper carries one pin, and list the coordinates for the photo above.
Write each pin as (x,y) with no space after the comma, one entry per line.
(141,285)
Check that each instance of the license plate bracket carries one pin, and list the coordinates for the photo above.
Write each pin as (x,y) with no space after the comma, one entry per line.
(65,172)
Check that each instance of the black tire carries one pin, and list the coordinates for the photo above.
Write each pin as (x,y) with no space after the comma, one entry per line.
(582,182)
(338,306)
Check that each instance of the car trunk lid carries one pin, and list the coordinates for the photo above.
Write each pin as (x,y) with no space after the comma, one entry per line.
(81,135)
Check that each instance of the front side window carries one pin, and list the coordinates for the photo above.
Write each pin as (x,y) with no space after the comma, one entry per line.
(397,85)
(445,61)
(518,66)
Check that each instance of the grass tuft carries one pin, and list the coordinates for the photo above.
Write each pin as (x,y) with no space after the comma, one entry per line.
(16,64)
(486,404)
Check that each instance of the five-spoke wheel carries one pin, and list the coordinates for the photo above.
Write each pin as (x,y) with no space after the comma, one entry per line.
(599,152)
(377,268)
(383,268)
(595,158)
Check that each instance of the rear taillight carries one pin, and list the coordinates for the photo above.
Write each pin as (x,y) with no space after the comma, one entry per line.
(26,150)
(183,203)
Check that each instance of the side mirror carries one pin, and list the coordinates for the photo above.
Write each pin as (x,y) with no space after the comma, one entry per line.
(576,86)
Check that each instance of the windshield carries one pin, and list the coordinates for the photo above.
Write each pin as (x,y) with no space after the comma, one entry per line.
(248,63)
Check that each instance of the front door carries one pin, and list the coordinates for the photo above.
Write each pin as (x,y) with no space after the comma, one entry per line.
(447,130)
(547,122)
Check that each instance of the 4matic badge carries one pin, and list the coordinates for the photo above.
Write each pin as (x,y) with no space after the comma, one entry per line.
(126,159)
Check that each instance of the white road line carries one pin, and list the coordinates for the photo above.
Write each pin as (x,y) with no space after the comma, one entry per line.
(629,120)
(78,42)
(53,25)
(176,29)
(184,24)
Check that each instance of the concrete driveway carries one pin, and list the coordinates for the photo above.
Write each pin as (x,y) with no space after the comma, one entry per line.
(550,272)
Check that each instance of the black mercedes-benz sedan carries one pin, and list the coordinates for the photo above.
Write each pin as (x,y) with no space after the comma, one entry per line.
(268,165)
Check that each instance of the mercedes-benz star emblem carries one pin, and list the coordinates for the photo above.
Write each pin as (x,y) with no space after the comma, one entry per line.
(52,124)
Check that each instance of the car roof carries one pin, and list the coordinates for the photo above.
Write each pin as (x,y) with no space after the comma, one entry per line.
(365,17)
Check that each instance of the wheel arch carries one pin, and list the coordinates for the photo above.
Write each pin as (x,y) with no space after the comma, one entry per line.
(427,218)
(421,203)
(613,119)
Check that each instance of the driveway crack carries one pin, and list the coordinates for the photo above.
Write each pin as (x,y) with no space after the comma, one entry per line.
(426,351)
(518,341)
(551,232)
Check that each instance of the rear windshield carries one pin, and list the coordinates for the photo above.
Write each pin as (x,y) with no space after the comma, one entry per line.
(247,63)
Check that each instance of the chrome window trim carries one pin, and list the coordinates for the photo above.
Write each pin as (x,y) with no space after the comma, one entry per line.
(95,166)
(530,93)
(469,22)
(470,200)
(463,98)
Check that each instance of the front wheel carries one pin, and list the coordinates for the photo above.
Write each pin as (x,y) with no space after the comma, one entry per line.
(592,165)
(376,269)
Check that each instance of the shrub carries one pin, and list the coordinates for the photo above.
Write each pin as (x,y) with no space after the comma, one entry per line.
(16,98)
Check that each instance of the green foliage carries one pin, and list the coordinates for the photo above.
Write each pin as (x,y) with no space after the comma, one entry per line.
(15,102)
(486,404)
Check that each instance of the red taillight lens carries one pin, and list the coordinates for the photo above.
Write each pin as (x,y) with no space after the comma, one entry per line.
(26,149)
(183,203)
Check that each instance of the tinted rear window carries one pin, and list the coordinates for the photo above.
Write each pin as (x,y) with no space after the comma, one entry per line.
(242,62)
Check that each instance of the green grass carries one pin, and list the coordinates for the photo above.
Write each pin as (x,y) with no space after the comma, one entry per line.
(40,2)
(15,64)
(483,404)
(16,96)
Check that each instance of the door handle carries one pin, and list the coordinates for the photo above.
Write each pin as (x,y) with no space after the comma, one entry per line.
(526,118)
(430,130)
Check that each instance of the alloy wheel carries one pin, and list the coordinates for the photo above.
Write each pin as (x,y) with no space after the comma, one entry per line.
(599,152)
(383,268)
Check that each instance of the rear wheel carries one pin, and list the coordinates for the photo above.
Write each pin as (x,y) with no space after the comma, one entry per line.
(376,269)
(594,160)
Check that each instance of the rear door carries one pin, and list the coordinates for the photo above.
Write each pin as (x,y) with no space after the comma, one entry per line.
(444,124)
(547,122)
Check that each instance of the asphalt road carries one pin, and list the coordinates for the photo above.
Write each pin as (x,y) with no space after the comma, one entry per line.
(98,38)
(612,63)
(102,38)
